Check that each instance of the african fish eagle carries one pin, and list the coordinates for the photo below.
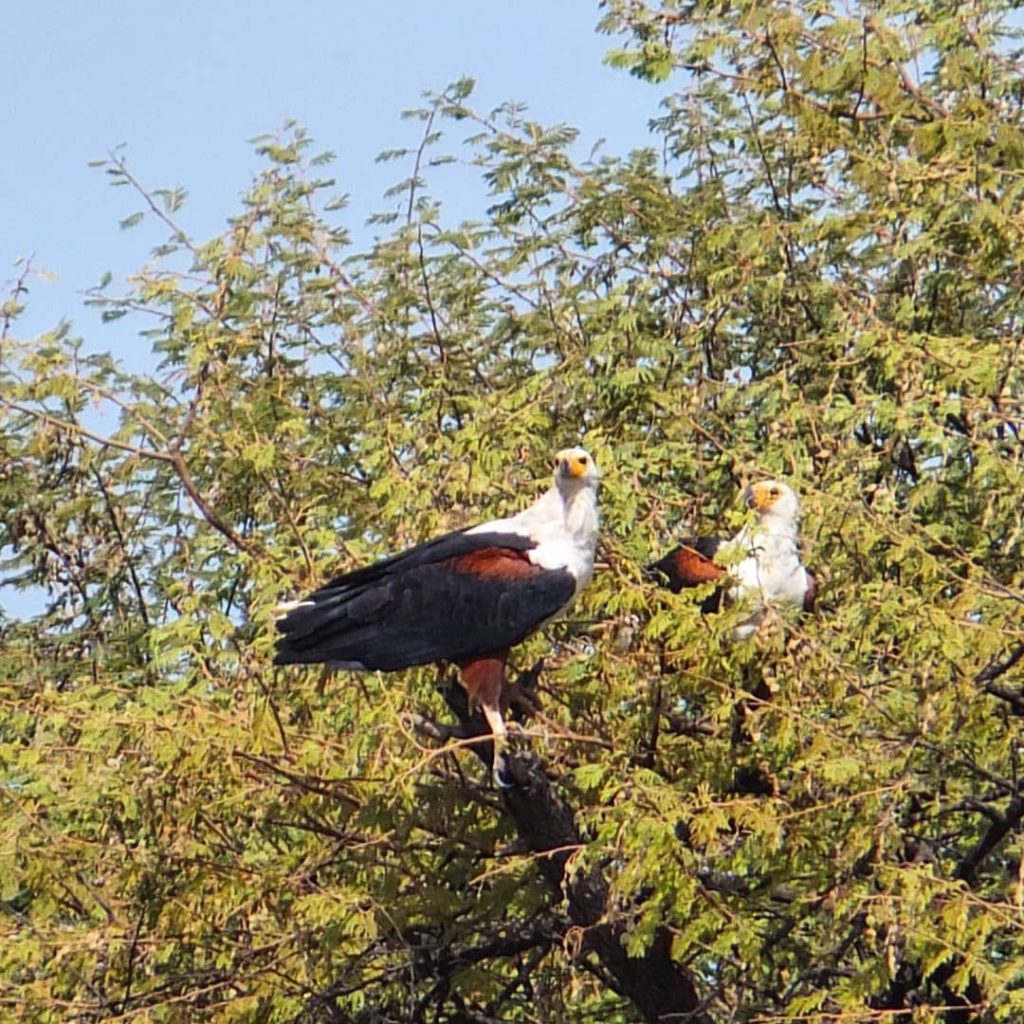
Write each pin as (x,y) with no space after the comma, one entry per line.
(769,571)
(465,597)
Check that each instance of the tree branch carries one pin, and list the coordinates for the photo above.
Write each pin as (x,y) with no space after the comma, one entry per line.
(1002,825)
(987,677)
(660,988)
(995,668)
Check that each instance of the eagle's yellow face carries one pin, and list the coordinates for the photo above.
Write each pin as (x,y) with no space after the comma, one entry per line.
(772,496)
(575,464)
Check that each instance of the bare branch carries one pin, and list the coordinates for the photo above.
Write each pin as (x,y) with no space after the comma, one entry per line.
(174,458)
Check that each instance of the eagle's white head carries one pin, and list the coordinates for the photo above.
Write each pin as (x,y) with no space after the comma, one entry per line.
(576,479)
(575,468)
(774,502)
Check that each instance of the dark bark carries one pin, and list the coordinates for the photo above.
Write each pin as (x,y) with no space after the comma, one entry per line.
(1007,822)
(995,668)
(987,677)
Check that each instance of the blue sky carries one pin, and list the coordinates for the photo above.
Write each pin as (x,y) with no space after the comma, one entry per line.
(185,86)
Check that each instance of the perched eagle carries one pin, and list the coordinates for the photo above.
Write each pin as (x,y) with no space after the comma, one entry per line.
(769,571)
(465,597)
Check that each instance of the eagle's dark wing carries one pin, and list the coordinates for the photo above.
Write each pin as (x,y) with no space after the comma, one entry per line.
(451,599)
(689,565)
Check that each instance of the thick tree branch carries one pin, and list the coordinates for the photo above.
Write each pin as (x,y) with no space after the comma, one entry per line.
(987,677)
(1000,828)
(995,668)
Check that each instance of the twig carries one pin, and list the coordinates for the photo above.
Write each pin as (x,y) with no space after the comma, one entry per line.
(130,967)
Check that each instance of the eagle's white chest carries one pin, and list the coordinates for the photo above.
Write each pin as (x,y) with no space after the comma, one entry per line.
(563,529)
(565,553)
(568,542)
(771,572)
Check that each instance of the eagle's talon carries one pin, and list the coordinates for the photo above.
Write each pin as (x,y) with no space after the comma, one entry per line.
(516,730)
(519,739)
(500,774)
(527,737)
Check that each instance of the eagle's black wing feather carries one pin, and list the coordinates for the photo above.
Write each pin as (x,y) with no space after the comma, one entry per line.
(454,598)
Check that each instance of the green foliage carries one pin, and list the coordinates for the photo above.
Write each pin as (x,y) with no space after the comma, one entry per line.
(814,272)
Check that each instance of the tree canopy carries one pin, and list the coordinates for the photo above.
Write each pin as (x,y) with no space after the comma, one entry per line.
(814,272)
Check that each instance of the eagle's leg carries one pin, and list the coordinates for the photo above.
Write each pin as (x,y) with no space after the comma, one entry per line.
(483,679)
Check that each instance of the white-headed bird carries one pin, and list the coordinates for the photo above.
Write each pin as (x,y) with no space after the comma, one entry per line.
(465,598)
(762,563)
